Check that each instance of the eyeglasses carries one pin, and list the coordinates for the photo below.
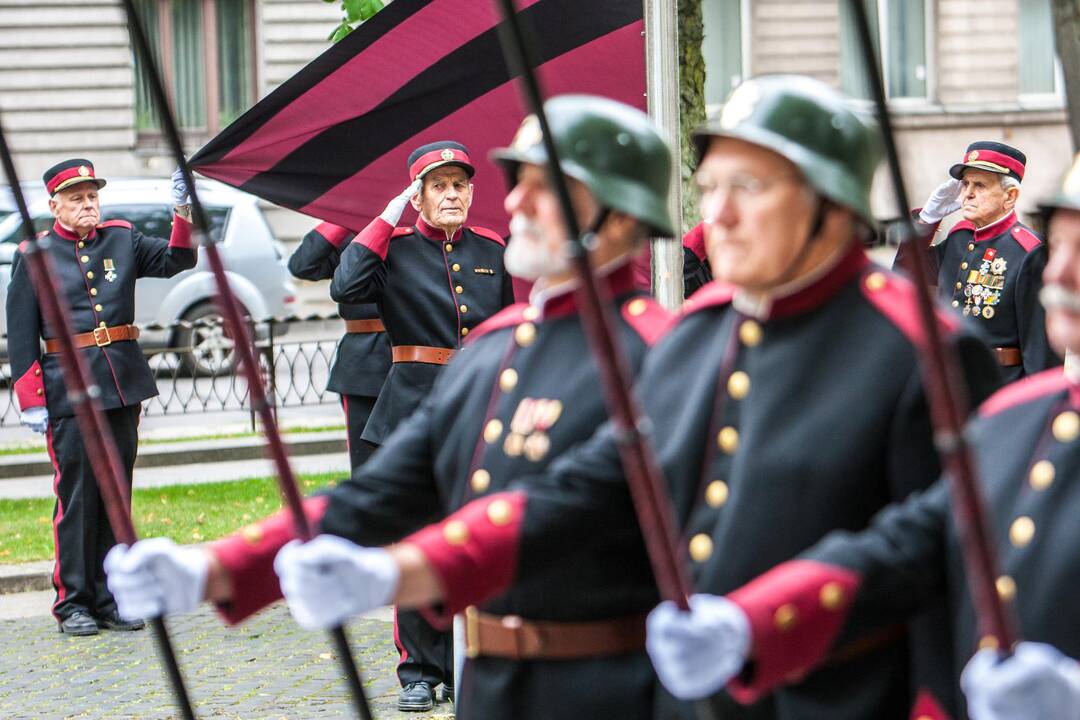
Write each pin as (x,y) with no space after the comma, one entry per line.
(740,186)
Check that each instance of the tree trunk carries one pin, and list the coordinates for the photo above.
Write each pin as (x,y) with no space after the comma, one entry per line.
(1067,36)
(692,96)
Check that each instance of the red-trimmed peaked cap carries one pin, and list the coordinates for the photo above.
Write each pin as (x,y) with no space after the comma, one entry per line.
(427,157)
(68,173)
(992,156)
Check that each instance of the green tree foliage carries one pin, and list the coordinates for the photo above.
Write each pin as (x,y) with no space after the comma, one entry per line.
(353,12)
(691,98)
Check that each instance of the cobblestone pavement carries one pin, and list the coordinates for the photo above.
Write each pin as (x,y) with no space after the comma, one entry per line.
(267,668)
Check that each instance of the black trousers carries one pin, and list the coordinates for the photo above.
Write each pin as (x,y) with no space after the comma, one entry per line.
(425,653)
(357,411)
(81,527)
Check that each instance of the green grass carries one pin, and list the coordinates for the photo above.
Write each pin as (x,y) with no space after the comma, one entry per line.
(31,446)
(185,513)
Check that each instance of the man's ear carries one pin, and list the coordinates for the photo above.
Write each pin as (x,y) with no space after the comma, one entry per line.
(471,189)
(415,199)
(53,204)
(1011,196)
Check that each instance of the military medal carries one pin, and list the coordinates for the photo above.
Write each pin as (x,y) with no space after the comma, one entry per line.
(983,288)
(110,270)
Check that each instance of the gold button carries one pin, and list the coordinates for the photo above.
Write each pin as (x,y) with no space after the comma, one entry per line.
(636,307)
(508,380)
(85,258)
(456,532)
(716,494)
(463,308)
(464,331)
(876,281)
(971,246)
(98,308)
(93,291)
(785,617)
(750,333)
(500,513)
(455,267)
(959,285)
(458,289)
(82,244)
(728,440)
(1042,475)
(481,480)
(252,534)
(1022,531)
(514,444)
(1067,426)
(525,334)
(37,371)
(40,391)
(832,596)
(536,446)
(738,385)
(963,266)
(989,642)
(101,324)
(448,247)
(956,303)
(89,274)
(492,431)
(1006,588)
(530,313)
(700,547)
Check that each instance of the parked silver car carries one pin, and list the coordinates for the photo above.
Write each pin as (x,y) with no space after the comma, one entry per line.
(252,256)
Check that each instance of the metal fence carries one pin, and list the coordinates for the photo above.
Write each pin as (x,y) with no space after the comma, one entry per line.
(196,373)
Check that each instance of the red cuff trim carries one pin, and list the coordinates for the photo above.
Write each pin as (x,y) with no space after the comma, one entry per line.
(376,237)
(248,557)
(795,610)
(333,234)
(181,233)
(475,551)
(927,707)
(30,388)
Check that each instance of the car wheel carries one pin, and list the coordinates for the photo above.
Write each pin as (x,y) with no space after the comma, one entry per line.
(205,348)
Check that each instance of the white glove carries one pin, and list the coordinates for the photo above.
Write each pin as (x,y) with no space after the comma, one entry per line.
(35,418)
(180,192)
(1037,681)
(156,577)
(696,653)
(395,207)
(943,201)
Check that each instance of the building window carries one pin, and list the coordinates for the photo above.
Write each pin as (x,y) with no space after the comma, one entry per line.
(1037,64)
(722,48)
(901,40)
(205,51)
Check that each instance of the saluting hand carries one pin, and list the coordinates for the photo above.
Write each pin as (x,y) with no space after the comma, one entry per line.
(181,195)
(945,200)
(696,653)
(1036,681)
(395,207)
(156,577)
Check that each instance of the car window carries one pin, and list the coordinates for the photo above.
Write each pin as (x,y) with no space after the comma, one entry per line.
(156,220)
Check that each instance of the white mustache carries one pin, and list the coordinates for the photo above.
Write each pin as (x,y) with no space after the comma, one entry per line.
(1057,296)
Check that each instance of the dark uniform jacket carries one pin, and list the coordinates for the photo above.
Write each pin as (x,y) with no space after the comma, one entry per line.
(771,432)
(993,276)
(520,394)
(97,278)
(696,270)
(362,359)
(431,291)
(1024,441)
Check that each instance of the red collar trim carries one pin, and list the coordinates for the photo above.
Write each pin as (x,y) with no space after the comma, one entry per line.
(815,294)
(63,232)
(994,229)
(618,282)
(434,233)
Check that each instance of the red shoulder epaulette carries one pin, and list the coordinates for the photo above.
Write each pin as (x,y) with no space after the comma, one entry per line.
(489,234)
(895,298)
(116,223)
(22,245)
(713,294)
(962,225)
(650,319)
(927,707)
(1032,387)
(398,232)
(509,316)
(1025,237)
(694,241)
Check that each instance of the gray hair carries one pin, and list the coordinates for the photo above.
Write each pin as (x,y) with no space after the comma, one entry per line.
(1008,181)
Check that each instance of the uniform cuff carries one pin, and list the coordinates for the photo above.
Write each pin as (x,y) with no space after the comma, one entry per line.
(181,233)
(333,234)
(248,557)
(30,388)
(474,552)
(796,611)
(376,237)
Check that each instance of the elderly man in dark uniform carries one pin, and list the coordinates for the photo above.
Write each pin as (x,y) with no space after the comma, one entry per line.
(1026,440)
(990,264)
(786,402)
(522,391)
(96,264)
(362,359)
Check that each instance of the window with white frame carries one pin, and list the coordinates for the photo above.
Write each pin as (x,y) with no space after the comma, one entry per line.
(900,30)
(722,49)
(1037,65)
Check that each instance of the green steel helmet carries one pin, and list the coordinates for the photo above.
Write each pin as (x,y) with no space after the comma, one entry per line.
(614,149)
(1068,198)
(810,124)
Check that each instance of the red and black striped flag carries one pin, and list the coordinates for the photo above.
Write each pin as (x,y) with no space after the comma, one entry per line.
(332,141)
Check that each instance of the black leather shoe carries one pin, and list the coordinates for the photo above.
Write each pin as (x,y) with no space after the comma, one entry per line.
(446,693)
(416,697)
(113,621)
(79,623)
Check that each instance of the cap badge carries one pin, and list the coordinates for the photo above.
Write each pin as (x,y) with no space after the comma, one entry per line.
(973,156)
(447,154)
(84,171)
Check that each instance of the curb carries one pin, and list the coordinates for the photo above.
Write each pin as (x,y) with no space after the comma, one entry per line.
(26,577)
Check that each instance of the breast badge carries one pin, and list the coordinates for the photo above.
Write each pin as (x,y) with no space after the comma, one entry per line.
(110,270)
(984,286)
(529,428)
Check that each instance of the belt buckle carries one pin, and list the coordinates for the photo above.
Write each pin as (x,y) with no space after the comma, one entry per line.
(99,333)
(472,633)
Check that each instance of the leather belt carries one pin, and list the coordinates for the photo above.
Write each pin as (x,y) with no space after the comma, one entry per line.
(101,337)
(364,326)
(422,354)
(511,637)
(1009,356)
